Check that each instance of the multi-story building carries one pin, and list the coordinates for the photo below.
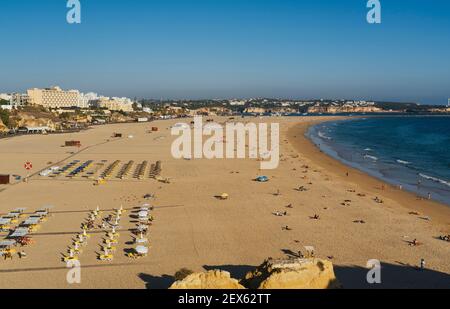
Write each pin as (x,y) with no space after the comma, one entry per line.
(86,100)
(54,97)
(14,100)
(5,96)
(115,104)
(19,100)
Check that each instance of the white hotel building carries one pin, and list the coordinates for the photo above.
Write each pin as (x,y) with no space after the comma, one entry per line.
(54,97)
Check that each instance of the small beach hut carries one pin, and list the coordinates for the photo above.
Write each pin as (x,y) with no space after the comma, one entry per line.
(4,179)
(73,144)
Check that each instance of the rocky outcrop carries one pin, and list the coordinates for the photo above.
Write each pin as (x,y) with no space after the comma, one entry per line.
(293,274)
(3,128)
(35,119)
(31,121)
(118,117)
(343,109)
(214,279)
(272,274)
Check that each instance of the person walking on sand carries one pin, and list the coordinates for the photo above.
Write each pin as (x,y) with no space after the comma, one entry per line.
(422,264)
(429,196)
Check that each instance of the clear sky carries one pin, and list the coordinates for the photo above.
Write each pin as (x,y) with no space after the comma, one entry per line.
(230,48)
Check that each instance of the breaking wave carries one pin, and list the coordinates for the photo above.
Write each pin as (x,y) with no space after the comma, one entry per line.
(435,179)
(403,162)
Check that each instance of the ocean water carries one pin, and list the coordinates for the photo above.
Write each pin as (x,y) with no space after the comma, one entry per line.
(410,151)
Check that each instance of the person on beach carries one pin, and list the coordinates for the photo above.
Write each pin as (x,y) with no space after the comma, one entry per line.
(429,196)
(422,264)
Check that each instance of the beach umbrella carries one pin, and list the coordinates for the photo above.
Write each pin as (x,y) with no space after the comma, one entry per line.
(262,179)
(7,243)
(143,214)
(142,250)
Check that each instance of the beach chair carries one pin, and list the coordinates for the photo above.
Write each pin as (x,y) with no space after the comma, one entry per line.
(106,256)
(85,234)
(110,248)
(111,242)
(141,241)
(9,254)
(70,258)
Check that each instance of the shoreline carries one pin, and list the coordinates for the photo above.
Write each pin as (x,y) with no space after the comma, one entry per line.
(304,146)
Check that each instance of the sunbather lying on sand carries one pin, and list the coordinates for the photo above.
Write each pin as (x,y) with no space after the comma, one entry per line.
(445,238)
(359,221)
(414,243)
(302,189)
(378,200)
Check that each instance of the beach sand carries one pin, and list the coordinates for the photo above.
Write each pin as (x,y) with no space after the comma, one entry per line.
(197,231)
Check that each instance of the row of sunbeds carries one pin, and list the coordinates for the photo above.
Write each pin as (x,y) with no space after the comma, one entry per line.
(20,234)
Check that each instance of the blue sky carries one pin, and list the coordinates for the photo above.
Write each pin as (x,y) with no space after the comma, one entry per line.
(230,48)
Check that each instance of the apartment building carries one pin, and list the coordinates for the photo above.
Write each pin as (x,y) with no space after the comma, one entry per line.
(54,97)
(115,104)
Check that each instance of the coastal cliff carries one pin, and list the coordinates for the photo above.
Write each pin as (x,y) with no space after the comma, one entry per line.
(3,128)
(343,109)
(214,279)
(29,119)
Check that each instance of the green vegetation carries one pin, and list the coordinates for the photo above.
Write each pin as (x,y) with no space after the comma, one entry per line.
(4,102)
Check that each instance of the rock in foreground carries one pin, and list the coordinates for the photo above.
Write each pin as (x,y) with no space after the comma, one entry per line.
(215,279)
(293,274)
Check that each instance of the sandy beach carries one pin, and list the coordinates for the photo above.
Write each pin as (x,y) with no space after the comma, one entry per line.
(193,229)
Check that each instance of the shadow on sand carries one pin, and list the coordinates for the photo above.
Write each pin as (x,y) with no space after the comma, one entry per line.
(399,276)
(157,283)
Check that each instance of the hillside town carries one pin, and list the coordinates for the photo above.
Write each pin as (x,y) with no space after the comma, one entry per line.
(56,110)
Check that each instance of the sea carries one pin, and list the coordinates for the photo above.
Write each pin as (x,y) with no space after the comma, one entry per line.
(411,151)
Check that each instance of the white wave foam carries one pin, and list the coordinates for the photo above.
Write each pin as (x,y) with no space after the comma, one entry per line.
(322,135)
(371,157)
(441,181)
(403,162)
